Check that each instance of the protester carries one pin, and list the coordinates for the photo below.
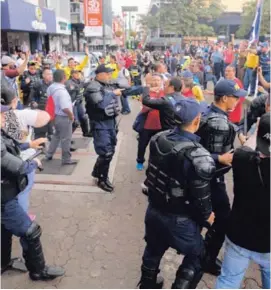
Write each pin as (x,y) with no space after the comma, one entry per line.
(114,66)
(228,55)
(152,123)
(72,64)
(63,119)
(165,105)
(217,61)
(248,234)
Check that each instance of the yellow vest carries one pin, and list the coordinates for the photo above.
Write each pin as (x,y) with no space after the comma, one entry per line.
(197,92)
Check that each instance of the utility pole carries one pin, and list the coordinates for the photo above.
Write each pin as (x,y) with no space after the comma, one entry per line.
(103,14)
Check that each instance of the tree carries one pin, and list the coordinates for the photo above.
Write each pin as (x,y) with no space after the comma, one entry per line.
(248,14)
(185,17)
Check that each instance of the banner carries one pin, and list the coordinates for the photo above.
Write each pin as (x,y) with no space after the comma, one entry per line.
(93,17)
(256,25)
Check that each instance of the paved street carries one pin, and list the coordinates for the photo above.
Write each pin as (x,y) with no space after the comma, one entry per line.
(98,237)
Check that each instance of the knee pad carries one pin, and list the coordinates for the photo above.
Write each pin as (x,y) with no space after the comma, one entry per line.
(108,156)
(33,232)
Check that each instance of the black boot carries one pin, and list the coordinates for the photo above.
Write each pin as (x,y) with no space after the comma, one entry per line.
(34,258)
(6,262)
(186,278)
(213,243)
(150,279)
(85,127)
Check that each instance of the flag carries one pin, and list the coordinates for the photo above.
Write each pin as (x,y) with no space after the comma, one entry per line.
(256,25)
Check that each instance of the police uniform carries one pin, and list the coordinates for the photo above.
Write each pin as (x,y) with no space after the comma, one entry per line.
(38,94)
(14,220)
(135,72)
(76,90)
(102,107)
(217,136)
(178,177)
(26,88)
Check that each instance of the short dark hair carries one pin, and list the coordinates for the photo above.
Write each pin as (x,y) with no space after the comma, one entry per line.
(59,75)
(45,69)
(231,66)
(176,84)
(113,57)
(7,95)
(157,75)
(31,63)
(217,98)
(156,66)
(69,59)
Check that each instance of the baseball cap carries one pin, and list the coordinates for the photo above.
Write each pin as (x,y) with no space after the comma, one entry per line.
(4,108)
(6,60)
(187,110)
(264,44)
(263,135)
(228,88)
(186,74)
(103,69)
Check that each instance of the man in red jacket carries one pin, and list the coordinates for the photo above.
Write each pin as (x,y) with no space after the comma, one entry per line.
(236,114)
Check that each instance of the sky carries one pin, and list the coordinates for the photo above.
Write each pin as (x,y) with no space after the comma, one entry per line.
(143,5)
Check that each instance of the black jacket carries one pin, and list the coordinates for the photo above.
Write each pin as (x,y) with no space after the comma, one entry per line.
(39,95)
(256,110)
(165,107)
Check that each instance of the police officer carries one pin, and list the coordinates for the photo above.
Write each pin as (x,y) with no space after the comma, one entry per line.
(14,220)
(76,88)
(178,182)
(29,78)
(102,108)
(38,99)
(217,136)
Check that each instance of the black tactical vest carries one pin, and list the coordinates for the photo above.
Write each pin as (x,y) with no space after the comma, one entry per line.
(166,177)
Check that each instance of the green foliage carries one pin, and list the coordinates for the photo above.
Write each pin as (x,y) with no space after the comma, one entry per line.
(248,14)
(186,17)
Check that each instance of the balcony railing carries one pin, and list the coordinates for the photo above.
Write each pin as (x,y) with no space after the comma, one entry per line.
(77,13)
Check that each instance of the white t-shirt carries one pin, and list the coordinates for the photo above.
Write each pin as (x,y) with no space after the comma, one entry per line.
(27,119)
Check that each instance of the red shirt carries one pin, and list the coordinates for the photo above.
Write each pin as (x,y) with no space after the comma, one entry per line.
(188,94)
(11,73)
(128,62)
(236,114)
(153,119)
(228,56)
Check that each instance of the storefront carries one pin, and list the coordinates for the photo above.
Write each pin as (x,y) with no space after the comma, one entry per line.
(30,31)
(61,41)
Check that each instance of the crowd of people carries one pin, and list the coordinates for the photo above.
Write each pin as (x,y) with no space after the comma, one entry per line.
(191,150)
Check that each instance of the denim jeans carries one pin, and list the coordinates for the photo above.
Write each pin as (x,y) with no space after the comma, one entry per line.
(164,230)
(236,261)
(125,104)
(266,75)
(250,80)
(79,111)
(23,196)
(143,141)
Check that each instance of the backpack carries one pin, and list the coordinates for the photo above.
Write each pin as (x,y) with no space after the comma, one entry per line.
(50,107)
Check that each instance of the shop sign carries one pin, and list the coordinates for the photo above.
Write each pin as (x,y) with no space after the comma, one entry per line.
(63,26)
(38,24)
(93,17)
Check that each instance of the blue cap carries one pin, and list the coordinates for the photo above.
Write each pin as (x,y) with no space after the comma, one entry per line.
(187,74)
(187,110)
(229,88)
(264,44)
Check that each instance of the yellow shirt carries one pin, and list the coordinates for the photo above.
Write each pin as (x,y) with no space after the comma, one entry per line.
(68,70)
(115,73)
(252,60)
(197,92)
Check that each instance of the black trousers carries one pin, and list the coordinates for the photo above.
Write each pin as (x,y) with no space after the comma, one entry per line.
(218,68)
(143,141)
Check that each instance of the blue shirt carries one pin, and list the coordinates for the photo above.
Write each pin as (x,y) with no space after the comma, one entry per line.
(264,59)
(217,57)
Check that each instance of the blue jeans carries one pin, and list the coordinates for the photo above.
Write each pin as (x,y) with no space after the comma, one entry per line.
(266,75)
(125,104)
(235,264)
(23,196)
(164,230)
(250,80)
(79,111)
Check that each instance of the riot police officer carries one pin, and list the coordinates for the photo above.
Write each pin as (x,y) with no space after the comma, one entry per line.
(217,136)
(14,220)
(178,187)
(38,99)
(29,78)
(102,108)
(76,88)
